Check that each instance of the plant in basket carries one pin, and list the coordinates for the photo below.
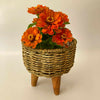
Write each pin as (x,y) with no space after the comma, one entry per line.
(48,46)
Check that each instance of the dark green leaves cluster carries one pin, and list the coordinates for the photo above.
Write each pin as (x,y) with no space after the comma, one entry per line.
(47,43)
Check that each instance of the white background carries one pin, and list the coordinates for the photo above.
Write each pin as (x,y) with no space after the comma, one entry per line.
(82,82)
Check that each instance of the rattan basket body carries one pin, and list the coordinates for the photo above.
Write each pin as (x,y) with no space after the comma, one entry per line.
(49,63)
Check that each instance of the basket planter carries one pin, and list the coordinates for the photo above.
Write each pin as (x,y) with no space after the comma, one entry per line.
(51,63)
(48,46)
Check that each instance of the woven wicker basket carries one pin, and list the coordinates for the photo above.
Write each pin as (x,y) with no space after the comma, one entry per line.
(49,63)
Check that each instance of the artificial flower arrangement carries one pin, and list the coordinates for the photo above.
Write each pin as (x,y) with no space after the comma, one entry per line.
(48,30)
(48,47)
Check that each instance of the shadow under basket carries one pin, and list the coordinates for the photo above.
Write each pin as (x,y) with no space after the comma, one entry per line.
(51,63)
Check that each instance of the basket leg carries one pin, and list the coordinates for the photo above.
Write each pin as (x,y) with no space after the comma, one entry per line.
(56,84)
(34,79)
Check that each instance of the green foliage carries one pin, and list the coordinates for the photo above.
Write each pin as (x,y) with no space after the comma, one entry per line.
(37,15)
(54,32)
(30,25)
(40,29)
(66,23)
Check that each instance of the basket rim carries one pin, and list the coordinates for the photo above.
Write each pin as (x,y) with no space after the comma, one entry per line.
(51,50)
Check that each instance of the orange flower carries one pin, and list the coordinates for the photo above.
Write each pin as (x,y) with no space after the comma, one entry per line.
(63,37)
(48,30)
(50,20)
(64,17)
(31,37)
(35,20)
(37,10)
(60,19)
(45,19)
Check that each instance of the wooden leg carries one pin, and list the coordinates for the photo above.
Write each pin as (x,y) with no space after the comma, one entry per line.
(34,79)
(56,84)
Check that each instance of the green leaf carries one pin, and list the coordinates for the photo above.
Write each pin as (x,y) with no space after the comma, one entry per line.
(45,36)
(60,27)
(40,29)
(30,25)
(66,23)
(54,32)
(37,15)
(41,33)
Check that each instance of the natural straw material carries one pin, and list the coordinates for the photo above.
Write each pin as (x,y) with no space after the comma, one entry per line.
(49,62)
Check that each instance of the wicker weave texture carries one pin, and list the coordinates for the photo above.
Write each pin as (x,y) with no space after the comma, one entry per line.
(49,63)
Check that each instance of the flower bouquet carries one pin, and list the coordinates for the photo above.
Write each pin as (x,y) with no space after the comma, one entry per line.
(48,46)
